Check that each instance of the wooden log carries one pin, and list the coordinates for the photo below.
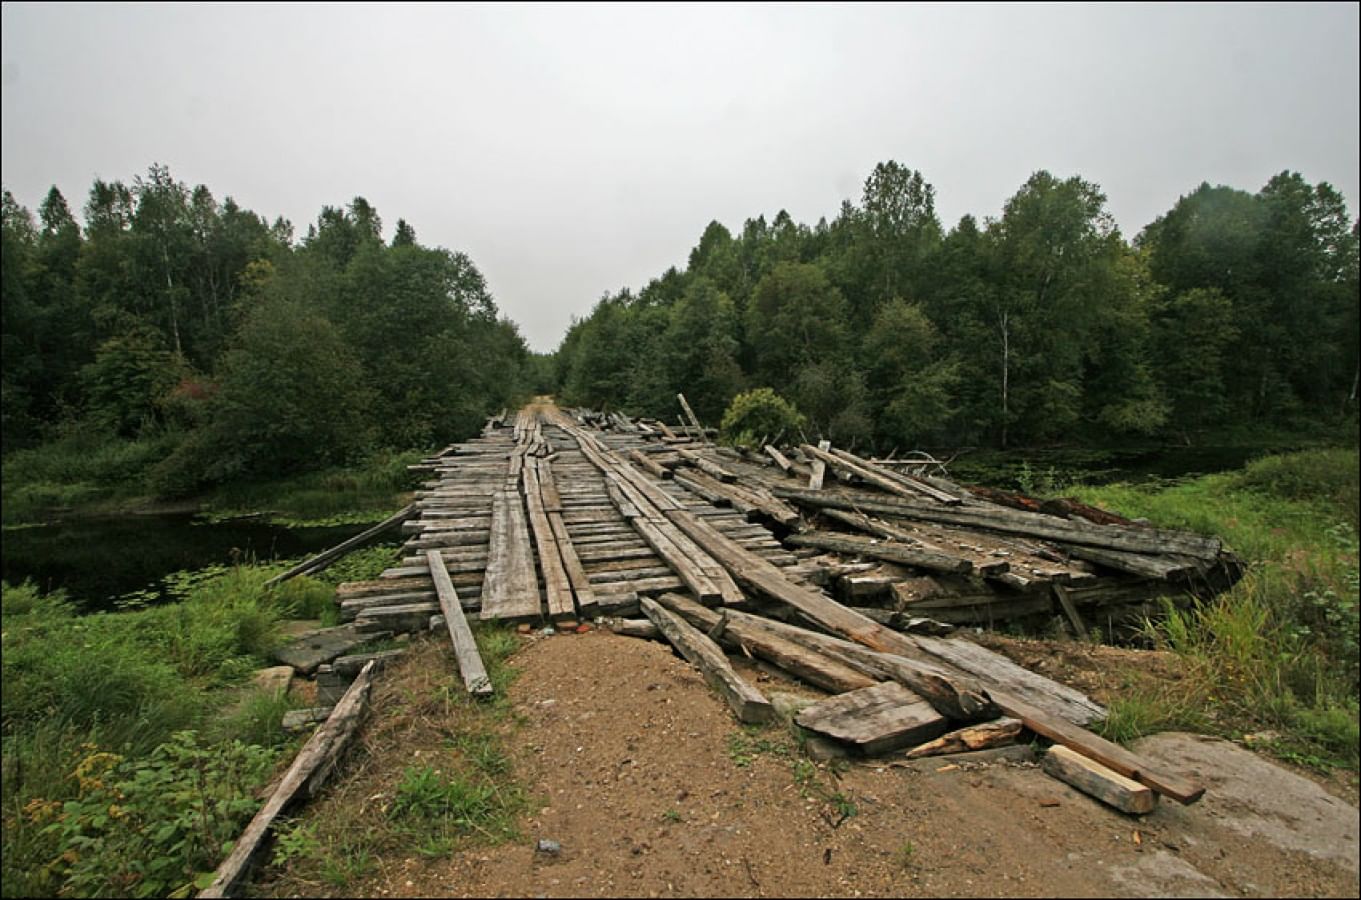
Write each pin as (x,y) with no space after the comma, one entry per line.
(780,459)
(876,719)
(406,618)
(885,477)
(976,737)
(465,647)
(310,768)
(1095,780)
(890,551)
(1138,540)
(801,662)
(351,666)
(705,655)
(1163,567)
(326,557)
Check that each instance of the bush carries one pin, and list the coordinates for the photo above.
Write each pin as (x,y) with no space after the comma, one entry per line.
(759,415)
(1329,476)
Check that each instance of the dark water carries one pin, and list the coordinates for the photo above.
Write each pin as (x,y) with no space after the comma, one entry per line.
(97,560)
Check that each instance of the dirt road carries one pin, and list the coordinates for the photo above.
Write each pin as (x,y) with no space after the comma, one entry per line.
(641,774)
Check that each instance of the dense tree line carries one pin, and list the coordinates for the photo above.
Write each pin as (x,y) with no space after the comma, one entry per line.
(1044,324)
(171,312)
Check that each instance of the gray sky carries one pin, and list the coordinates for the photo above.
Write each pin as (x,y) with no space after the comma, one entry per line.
(576,150)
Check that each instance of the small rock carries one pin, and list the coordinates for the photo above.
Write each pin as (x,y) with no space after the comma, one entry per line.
(583,628)
(548,630)
(523,628)
(436,622)
(551,848)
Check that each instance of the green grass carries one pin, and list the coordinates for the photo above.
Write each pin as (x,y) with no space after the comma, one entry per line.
(125,686)
(1278,652)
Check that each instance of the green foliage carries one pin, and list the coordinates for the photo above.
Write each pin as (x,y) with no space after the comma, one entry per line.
(153,827)
(758,414)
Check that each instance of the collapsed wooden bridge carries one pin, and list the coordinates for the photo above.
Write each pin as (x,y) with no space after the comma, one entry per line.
(561,518)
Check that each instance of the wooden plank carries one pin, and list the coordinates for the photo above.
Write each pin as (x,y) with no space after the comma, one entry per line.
(705,465)
(877,719)
(557,589)
(510,588)
(650,464)
(801,662)
(747,702)
(639,628)
(819,468)
(465,647)
(1095,780)
(881,473)
(982,736)
(571,562)
(891,551)
(326,557)
(1113,756)
(953,695)
(1138,540)
(699,429)
(1079,627)
(309,650)
(310,768)
(780,459)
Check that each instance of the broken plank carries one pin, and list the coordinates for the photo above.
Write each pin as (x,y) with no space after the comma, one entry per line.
(876,720)
(982,736)
(891,551)
(819,472)
(747,702)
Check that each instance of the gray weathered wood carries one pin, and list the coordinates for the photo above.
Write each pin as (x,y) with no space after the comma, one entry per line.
(314,762)
(747,702)
(876,719)
(465,647)
(510,589)
(819,472)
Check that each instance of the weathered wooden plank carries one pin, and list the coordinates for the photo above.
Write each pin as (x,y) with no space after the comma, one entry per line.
(801,662)
(1097,781)
(876,719)
(465,647)
(326,557)
(975,737)
(699,429)
(746,702)
(819,472)
(313,764)
(1138,540)
(651,465)
(510,588)
(1074,619)
(891,551)
(557,589)
(954,695)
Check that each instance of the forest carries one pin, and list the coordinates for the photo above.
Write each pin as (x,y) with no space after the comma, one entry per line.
(224,349)
(221,348)
(1231,312)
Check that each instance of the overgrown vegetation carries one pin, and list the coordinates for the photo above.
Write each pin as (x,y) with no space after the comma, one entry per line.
(1276,657)
(121,774)
(435,775)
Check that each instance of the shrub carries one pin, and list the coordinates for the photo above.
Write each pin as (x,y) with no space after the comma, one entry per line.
(760,414)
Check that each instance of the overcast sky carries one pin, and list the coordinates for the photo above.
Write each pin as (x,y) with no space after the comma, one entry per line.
(576,150)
